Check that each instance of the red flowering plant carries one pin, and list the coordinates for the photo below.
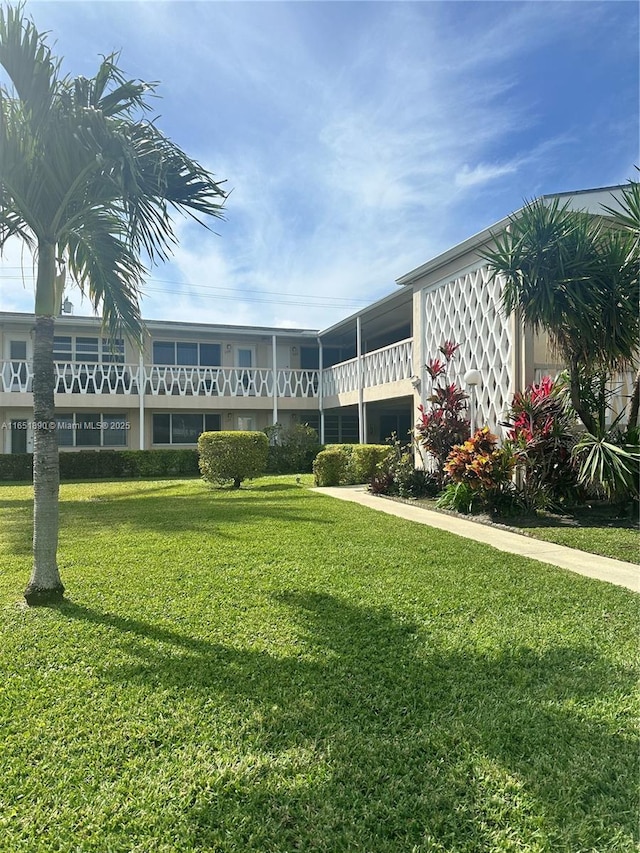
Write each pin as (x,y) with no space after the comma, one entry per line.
(443,424)
(541,437)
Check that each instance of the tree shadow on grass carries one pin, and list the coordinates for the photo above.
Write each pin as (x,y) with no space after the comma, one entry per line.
(376,736)
(167,515)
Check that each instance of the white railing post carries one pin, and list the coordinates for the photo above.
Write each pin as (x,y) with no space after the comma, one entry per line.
(275,379)
(321,390)
(142,381)
(360,389)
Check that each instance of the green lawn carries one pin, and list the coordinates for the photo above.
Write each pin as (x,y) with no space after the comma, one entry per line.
(274,670)
(594,531)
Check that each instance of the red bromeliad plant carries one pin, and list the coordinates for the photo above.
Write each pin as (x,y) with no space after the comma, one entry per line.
(443,425)
(541,437)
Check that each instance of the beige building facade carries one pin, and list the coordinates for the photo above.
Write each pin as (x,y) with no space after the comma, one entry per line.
(358,381)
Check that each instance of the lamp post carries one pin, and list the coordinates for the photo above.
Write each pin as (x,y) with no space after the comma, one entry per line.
(472,378)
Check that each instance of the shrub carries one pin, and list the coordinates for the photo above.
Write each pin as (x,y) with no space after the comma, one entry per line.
(484,467)
(396,474)
(16,466)
(235,456)
(442,426)
(107,464)
(348,464)
(459,497)
(329,467)
(541,437)
(364,460)
(291,450)
(609,469)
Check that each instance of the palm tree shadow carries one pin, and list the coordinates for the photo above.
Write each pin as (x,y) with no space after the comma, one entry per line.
(405,722)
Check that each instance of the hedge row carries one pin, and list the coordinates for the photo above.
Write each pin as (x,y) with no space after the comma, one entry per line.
(348,464)
(107,464)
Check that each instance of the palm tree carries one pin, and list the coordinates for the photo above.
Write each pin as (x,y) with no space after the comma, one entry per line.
(573,276)
(89,185)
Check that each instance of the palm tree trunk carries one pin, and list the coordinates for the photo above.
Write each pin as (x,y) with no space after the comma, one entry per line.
(45,585)
(634,408)
(582,411)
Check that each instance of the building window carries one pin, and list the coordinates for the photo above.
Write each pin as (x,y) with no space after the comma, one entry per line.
(187,353)
(246,423)
(88,350)
(80,429)
(183,427)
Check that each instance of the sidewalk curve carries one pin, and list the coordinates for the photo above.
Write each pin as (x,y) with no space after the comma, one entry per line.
(593,566)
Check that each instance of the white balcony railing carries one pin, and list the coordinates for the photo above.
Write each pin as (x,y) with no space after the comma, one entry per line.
(156,380)
(389,364)
(380,367)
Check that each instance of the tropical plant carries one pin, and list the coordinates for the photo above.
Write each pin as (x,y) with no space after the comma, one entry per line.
(574,276)
(88,184)
(443,425)
(608,469)
(541,434)
(397,474)
(480,462)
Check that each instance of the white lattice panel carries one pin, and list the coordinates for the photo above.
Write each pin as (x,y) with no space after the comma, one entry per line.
(297,383)
(389,364)
(340,378)
(16,376)
(74,378)
(466,311)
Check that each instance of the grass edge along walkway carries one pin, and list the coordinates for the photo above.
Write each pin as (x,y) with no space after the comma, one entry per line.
(607,569)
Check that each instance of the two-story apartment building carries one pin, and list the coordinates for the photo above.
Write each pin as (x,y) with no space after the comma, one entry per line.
(357,381)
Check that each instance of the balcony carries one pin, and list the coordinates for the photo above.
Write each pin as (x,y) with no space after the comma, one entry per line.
(382,367)
(159,381)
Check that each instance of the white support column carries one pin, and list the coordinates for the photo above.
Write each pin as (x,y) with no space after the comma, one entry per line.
(361,435)
(320,391)
(275,379)
(421,350)
(141,389)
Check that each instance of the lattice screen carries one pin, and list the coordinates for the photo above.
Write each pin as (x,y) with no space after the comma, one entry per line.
(466,311)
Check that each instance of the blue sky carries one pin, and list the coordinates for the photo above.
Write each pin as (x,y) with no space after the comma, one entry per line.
(359,139)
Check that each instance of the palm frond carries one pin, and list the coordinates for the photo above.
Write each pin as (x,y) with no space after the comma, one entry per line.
(107,271)
(28,61)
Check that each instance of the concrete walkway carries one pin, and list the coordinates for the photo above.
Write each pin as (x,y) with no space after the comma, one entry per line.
(603,568)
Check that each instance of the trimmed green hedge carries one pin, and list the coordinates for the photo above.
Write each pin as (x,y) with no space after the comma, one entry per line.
(348,464)
(232,455)
(291,449)
(107,464)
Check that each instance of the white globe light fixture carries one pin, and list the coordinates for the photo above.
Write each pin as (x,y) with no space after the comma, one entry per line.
(472,378)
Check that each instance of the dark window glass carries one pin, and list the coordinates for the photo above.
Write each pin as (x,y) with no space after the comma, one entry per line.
(309,358)
(312,419)
(18,350)
(87,430)
(212,423)
(113,351)
(210,355)
(187,353)
(87,349)
(164,352)
(185,429)
(65,430)
(161,429)
(62,348)
(114,433)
